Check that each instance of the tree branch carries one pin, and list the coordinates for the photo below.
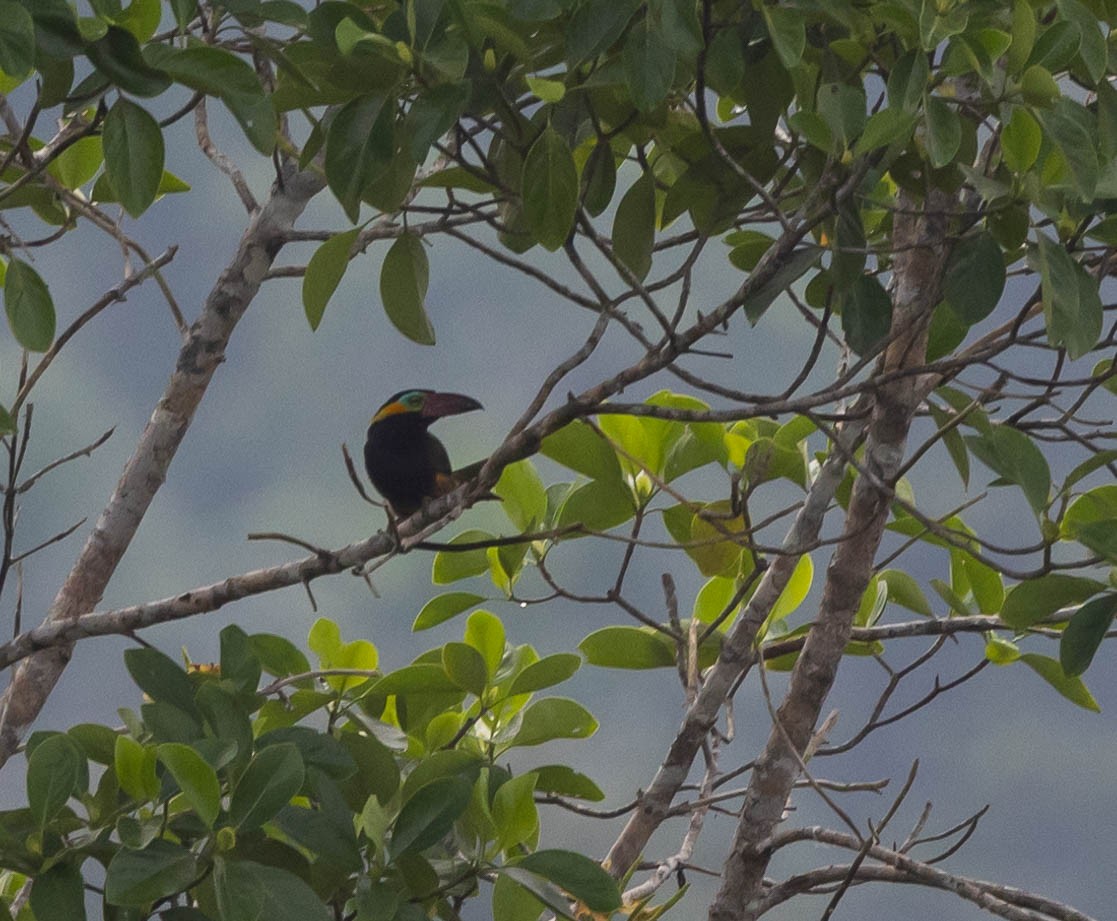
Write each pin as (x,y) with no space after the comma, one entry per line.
(146,470)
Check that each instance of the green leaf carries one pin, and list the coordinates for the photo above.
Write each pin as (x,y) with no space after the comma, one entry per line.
(1096,505)
(434,113)
(404,276)
(1038,87)
(160,678)
(1000,651)
(599,178)
(78,163)
(133,146)
(485,633)
(59,893)
(97,742)
(239,663)
(17,39)
(628,647)
(137,877)
(711,533)
(195,778)
(550,189)
(278,656)
(866,314)
(547,672)
(54,773)
(415,679)
(1071,303)
(725,62)
(466,667)
(904,590)
(713,599)
(272,777)
(1071,687)
(1023,35)
(795,591)
(1021,140)
(319,751)
(888,126)
(580,448)
(1074,131)
(787,29)
(135,769)
(141,18)
(907,81)
(583,878)
(443,607)
(565,781)
(985,583)
(554,718)
(974,277)
(783,278)
(29,307)
(358,147)
(117,56)
(1014,456)
(1030,602)
(325,639)
(546,90)
(324,272)
(429,815)
(952,439)
(522,896)
(634,226)
(598,505)
(524,498)
(514,812)
(1100,536)
(649,65)
(220,73)
(944,131)
(594,26)
(1084,634)
(247,890)
(842,108)
(450,566)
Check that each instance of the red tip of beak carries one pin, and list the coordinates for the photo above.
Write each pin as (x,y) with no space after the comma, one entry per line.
(438,405)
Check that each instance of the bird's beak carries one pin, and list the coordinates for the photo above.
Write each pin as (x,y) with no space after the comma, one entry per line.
(438,405)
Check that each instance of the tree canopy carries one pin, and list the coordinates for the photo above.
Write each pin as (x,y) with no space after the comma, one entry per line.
(921,194)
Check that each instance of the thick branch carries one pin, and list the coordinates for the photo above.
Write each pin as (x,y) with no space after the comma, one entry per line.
(920,237)
(896,867)
(737,655)
(146,470)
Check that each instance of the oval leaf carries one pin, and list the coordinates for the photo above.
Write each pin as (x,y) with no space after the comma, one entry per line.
(581,877)
(555,718)
(628,647)
(550,189)
(159,870)
(324,272)
(133,149)
(197,780)
(1084,634)
(273,776)
(29,307)
(429,815)
(403,286)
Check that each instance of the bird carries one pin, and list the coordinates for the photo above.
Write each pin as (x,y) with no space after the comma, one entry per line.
(404,461)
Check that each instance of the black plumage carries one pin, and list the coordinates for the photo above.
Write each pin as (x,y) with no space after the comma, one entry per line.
(405,462)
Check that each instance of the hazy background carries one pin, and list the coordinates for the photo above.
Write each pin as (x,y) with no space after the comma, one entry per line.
(263,454)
